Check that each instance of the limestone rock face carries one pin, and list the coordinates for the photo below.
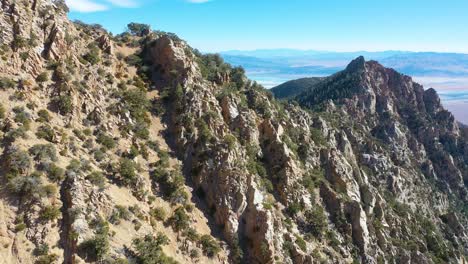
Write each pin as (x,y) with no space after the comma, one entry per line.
(356,172)
(170,60)
(105,44)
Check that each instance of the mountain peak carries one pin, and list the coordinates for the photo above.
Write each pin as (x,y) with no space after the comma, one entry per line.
(356,64)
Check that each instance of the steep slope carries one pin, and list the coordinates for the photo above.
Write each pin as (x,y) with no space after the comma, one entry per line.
(350,182)
(292,88)
(137,148)
(87,176)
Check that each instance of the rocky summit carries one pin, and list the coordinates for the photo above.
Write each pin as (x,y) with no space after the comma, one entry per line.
(136,148)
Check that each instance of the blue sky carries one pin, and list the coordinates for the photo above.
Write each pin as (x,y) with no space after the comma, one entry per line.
(335,25)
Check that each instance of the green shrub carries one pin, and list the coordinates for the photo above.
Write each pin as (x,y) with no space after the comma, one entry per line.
(97,178)
(49,213)
(47,259)
(237,254)
(79,134)
(99,155)
(230,141)
(204,131)
(318,137)
(163,159)
(238,76)
(148,250)
(63,103)
(42,249)
(74,167)
(316,221)
(42,78)
(301,243)
(44,116)
(20,227)
(14,134)
(194,253)
(105,140)
(136,211)
(141,131)
(127,171)
(294,208)
(133,152)
(49,190)
(33,40)
(136,102)
(23,117)
(93,55)
(191,234)
(210,246)
(87,132)
(24,56)
(17,161)
(133,60)
(6,83)
(43,152)
(46,132)
(211,65)
(18,42)
(55,173)
(96,248)
(171,183)
(119,212)
(158,213)
(30,186)
(179,220)
(2,111)
(312,179)
(138,29)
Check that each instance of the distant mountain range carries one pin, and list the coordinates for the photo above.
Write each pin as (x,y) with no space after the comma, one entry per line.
(446,72)
(272,67)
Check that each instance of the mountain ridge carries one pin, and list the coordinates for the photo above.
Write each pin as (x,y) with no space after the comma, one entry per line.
(138,148)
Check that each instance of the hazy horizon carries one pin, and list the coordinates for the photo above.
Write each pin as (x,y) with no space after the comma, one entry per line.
(221,25)
(376,29)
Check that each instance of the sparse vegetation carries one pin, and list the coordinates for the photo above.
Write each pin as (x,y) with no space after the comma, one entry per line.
(64,104)
(2,112)
(158,213)
(179,219)
(316,221)
(127,172)
(148,250)
(43,153)
(22,117)
(49,213)
(138,29)
(46,132)
(6,83)
(120,212)
(44,116)
(55,173)
(96,248)
(210,246)
(93,55)
(97,178)
(273,154)
(105,140)
(42,77)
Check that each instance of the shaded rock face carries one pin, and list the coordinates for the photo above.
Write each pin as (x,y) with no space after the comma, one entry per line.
(364,181)
(105,44)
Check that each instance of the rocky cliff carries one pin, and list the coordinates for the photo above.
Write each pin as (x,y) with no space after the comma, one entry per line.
(136,148)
